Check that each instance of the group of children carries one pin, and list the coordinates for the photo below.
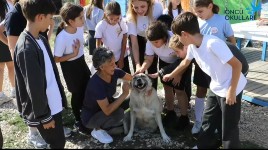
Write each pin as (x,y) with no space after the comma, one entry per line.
(169,42)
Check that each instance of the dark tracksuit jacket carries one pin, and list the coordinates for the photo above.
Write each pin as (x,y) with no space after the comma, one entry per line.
(30,80)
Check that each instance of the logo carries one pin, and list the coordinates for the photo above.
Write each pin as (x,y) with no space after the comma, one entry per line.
(214,30)
(241,14)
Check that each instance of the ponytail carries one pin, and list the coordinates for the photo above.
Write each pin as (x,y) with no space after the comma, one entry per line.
(60,28)
(215,9)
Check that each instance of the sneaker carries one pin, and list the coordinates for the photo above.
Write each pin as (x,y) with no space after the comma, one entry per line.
(67,132)
(13,93)
(36,141)
(196,128)
(4,98)
(195,147)
(170,119)
(102,136)
(183,122)
(79,127)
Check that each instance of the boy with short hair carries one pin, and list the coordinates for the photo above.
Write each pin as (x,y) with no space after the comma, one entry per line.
(39,92)
(227,82)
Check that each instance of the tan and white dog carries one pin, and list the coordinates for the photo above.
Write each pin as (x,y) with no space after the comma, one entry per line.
(145,107)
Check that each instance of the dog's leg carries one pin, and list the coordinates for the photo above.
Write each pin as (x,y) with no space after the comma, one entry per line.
(132,124)
(161,128)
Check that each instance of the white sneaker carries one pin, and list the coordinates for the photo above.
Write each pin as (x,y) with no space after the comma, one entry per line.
(102,136)
(13,93)
(4,98)
(67,132)
(37,141)
(195,147)
(196,128)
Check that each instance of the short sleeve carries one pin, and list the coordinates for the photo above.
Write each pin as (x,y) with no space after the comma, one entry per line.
(13,26)
(100,92)
(228,31)
(99,30)
(59,46)
(157,10)
(149,49)
(189,55)
(119,73)
(132,28)
(223,53)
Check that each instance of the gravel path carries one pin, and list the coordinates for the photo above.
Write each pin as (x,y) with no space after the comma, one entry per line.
(253,129)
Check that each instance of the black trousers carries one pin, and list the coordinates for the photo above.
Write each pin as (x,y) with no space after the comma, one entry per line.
(91,42)
(218,114)
(54,136)
(153,68)
(76,74)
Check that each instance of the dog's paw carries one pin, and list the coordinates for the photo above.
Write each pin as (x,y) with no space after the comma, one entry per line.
(127,138)
(166,139)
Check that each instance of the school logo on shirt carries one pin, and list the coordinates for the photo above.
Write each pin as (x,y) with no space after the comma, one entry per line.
(214,30)
(144,26)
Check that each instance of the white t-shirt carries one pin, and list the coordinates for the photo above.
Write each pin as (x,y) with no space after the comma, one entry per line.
(64,43)
(212,57)
(143,22)
(52,91)
(164,52)
(174,12)
(112,36)
(95,17)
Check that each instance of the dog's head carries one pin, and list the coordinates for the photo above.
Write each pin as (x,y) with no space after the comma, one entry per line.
(141,82)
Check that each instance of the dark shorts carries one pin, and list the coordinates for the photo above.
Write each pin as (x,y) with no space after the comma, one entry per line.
(166,68)
(200,77)
(5,55)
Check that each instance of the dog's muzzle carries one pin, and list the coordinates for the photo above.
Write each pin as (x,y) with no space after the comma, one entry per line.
(140,83)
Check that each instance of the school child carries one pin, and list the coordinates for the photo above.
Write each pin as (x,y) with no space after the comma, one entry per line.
(39,92)
(93,15)
(211,23)
(139,15)
(158,40)
(174,8)
(69,51)
(5,56)
(14,25)
(227,82)
(112,32)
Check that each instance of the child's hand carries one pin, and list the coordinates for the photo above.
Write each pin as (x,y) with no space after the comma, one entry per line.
(139,70)
(154,75)
(49,125)
(231,97)
(167,77)
(120,64)
(76,46)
